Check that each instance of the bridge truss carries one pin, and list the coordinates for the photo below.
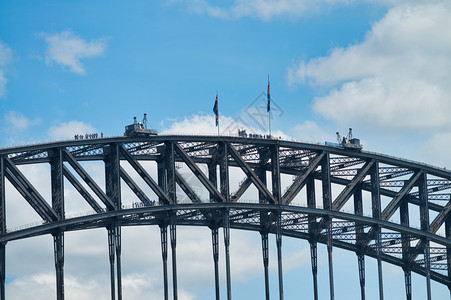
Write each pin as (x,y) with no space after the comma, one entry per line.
(363,202)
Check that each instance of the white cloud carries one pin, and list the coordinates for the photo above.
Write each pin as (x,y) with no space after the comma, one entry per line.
(5,54)
(68,49)
(16,121)
(270,9)
(69,129)
(5,59)
(436,149)
(262,9)
(32,287)
(203,124)
(312,132)
(397,77)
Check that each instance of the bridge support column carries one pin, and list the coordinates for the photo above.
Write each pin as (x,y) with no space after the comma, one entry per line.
(164,254)
(113,191)
(427,261)
(58,244)
(225,191)
(264,224)
(111,249)
(118,267)
(424,221)
(215,244)
(329,252)
(327,205)
(2,229)
(275,173)
(172,234)
(2,270)
(227,252)
(448,249)
(265,251)
(276,192)
(361,263)
(376,211)
(57,187)
(379,264)
(279,253)
(358,210)
(314,260)
(408,283)
(405,242)
(311,203)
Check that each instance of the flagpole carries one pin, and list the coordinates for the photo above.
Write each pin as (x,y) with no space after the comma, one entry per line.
(269,108)
(269,117)
(218,109)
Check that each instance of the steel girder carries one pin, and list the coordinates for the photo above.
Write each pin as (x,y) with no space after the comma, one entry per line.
(29,192)
(2,228)
(402,182)
(57,187)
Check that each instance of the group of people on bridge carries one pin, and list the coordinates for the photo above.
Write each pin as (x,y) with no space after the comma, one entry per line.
(243,133)
(143,204)
(88,136)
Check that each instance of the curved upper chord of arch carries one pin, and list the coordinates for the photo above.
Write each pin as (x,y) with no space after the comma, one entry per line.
(394,210)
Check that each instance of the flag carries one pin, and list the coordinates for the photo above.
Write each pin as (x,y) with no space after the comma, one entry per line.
(269,98)
(216,110)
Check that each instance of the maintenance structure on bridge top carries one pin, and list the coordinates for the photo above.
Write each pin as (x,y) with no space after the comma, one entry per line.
(391,190)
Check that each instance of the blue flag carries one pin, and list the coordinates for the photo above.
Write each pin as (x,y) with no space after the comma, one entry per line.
(216,110)
(269,98)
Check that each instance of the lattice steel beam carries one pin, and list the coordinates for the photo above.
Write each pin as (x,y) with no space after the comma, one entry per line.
(391,245)
(300,180)
(27,190)
(83,192)
(340,201)
(186,188)
(2,227)
(133,186)
(251,174)
(246,183)
(89,181)
(440,218)
(394,204)
(199,174)
(275,173)
(145,176)
(57,187)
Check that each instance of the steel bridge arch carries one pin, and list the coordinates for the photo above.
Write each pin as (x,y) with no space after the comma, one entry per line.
(391,185)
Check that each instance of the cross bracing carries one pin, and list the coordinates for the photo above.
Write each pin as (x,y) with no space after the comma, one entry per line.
(358,201)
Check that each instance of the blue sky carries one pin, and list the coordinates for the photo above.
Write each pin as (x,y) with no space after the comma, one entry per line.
(75,67)
(163,58)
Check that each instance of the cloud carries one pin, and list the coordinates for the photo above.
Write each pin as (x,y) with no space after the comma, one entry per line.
(5,59)
(312,132)
(69,129)
(16,122)
(398,77)
(203,124)
(196,124)
(436,149)
(261,9)
(68,49)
